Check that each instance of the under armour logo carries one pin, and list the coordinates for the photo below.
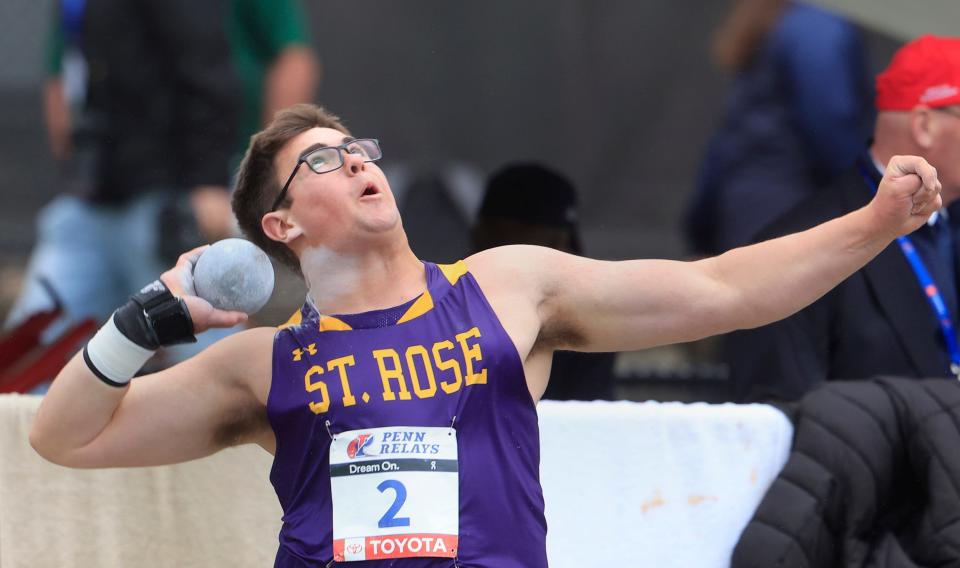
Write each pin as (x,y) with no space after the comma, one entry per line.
(298,353)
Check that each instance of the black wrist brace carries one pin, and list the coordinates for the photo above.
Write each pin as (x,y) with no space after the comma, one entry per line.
(154,318)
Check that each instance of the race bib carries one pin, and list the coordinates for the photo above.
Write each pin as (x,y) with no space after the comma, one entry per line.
(395,493)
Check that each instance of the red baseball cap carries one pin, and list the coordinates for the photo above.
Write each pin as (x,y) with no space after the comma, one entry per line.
(925,71)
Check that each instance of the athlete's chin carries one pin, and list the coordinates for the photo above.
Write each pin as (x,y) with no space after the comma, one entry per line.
(384,221)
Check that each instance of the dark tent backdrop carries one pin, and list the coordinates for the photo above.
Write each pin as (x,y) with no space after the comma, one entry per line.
(618,94)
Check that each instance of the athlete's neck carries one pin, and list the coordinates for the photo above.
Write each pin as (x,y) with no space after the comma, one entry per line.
(356,282)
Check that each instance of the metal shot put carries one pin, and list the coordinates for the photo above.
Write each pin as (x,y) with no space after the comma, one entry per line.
(234,274)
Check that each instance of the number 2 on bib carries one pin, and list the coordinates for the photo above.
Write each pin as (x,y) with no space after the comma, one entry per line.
(389,519)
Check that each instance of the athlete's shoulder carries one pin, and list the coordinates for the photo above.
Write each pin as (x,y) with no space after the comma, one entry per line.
(512,257)
(518,272)
(515,265)
(253,336)
(245,346)
(243,358)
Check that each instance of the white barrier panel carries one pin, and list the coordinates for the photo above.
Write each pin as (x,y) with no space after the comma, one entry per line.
(626,484)
(218,511)
(655,484)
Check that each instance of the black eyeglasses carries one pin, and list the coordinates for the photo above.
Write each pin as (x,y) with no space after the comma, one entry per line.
(325,159)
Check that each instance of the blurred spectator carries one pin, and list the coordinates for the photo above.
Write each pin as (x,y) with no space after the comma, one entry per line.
(278,67)
(798,112)
(886,318)
(144,137)
(526,203)
(64,90)
(274,59)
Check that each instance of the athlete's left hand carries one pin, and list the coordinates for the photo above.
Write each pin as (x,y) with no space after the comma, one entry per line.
(908,194)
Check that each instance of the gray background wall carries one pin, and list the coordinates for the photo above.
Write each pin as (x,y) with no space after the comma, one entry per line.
(618,94)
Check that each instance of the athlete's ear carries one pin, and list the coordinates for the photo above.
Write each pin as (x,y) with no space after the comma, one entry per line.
(278,226)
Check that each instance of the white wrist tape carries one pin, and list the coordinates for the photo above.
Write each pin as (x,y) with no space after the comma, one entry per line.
(114,358)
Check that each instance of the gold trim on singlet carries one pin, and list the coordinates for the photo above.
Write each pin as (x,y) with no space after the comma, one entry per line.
(454,271)
(330,323)
(423,305)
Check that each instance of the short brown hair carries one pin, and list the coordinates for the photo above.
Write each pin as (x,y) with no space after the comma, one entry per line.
(257,184)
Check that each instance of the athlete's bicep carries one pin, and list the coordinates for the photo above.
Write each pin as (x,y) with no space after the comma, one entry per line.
(188,411)
(591,305)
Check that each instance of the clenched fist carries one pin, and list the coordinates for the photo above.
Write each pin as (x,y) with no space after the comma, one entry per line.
(908,194)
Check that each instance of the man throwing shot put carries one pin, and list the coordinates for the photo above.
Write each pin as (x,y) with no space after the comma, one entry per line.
(399,403)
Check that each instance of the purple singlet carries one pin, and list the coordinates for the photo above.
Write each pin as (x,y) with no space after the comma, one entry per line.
(443,358)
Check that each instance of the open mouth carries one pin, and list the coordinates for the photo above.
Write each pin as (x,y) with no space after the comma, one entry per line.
(369,190)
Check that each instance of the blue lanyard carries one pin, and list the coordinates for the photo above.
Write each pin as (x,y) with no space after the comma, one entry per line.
(930,290)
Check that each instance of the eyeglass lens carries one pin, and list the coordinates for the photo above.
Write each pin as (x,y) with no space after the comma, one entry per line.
(323,160)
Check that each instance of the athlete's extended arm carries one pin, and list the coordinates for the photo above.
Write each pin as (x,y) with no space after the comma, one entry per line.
(584,304)
(188,411)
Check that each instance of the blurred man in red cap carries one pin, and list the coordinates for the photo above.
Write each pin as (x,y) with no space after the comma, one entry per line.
(897,315)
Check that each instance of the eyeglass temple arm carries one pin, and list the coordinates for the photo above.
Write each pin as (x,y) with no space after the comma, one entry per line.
(283,192)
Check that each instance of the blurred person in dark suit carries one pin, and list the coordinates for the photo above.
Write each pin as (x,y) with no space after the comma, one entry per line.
(271,50)
(896,315)
(528,203)
(144,133)
(797,113)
